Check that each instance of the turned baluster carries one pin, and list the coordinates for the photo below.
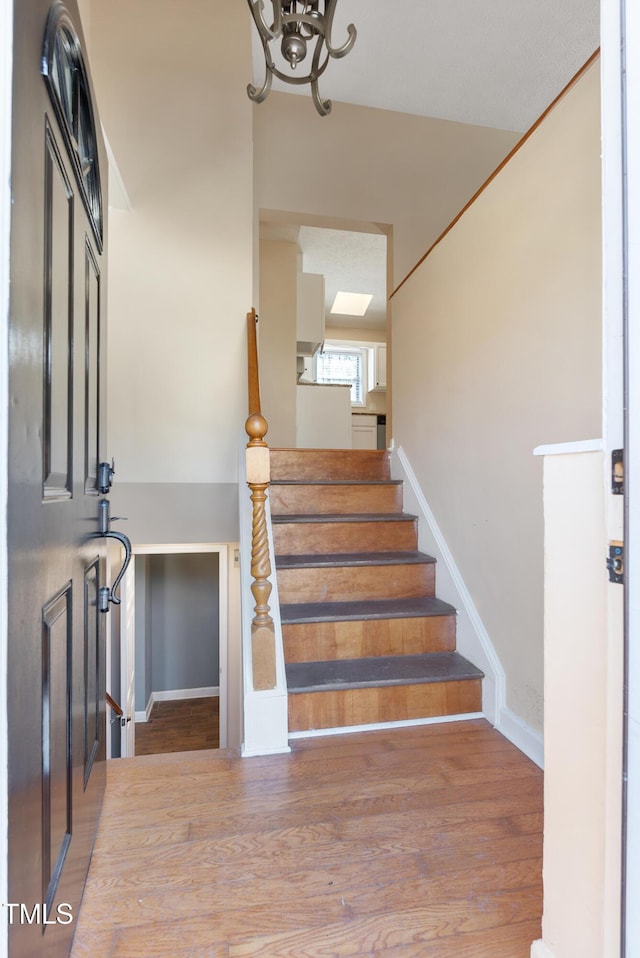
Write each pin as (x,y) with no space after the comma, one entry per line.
(262,628)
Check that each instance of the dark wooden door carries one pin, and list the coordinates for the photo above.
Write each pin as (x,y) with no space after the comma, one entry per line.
(56,667)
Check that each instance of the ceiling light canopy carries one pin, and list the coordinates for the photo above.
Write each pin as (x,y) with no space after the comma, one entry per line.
(298,25)
(351,304)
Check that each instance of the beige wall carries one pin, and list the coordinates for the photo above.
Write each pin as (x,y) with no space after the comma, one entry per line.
(170,82)
(171,89)
(366,165)
(496,349)
(277,343)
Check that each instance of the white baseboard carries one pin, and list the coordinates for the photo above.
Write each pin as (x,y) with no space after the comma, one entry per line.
(380,726)
(174,695)
(521,735)
(540,950)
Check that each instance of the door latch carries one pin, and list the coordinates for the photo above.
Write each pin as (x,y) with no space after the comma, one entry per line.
(105,476)
(615,562)
(617,472)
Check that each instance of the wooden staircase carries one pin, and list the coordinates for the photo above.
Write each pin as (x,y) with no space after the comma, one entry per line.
(365,638)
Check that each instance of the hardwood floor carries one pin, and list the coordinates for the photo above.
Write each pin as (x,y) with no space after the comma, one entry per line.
(179,726)
(403,843)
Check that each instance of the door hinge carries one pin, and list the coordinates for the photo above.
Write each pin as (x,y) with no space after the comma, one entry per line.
(615,562)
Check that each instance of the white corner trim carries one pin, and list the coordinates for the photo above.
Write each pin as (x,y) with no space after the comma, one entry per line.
(464,596)
(381,726)
(540,950)
(521,735)
(266,723)
(569,448)
(145,715)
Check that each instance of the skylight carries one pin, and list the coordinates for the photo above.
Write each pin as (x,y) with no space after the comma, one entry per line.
(351,304)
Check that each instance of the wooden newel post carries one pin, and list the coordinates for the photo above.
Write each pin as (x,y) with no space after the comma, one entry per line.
(263,644)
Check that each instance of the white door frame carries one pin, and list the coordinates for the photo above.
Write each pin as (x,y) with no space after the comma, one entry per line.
(222,549)
(620,41)
(128,663)
(630,176)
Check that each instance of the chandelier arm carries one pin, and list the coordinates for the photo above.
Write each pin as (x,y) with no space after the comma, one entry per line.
(337,52)
(257,12)
(297,80)
(259,96)
(322,106)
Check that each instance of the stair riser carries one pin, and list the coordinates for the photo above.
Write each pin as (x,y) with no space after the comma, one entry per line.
(329,464)
(334,500)
(316,538)
(338,709)
(353,583)
(322,641)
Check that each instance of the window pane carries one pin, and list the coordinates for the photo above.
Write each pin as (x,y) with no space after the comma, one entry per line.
(343,367)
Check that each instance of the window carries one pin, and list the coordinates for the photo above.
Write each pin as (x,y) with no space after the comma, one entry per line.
(67,81)
(345,367)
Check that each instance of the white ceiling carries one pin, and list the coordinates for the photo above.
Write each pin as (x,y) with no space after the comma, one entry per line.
(351,263)
(496,63)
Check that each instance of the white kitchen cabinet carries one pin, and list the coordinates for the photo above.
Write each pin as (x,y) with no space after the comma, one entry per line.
(364,431)
(309,313)
(377,367)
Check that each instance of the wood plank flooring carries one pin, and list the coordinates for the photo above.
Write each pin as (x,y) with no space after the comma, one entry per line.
(180,725)
(401,843)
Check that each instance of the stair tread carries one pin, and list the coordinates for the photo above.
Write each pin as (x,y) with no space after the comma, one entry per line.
(412,608)
(336,482)
(380,671)
(346,517)
(335,559)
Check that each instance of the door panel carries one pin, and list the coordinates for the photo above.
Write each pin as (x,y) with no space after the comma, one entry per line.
(57,648)
(58,305)
(92,662)
(92,368)
(57,564)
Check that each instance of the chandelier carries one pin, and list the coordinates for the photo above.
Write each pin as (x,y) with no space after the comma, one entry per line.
(298,25)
